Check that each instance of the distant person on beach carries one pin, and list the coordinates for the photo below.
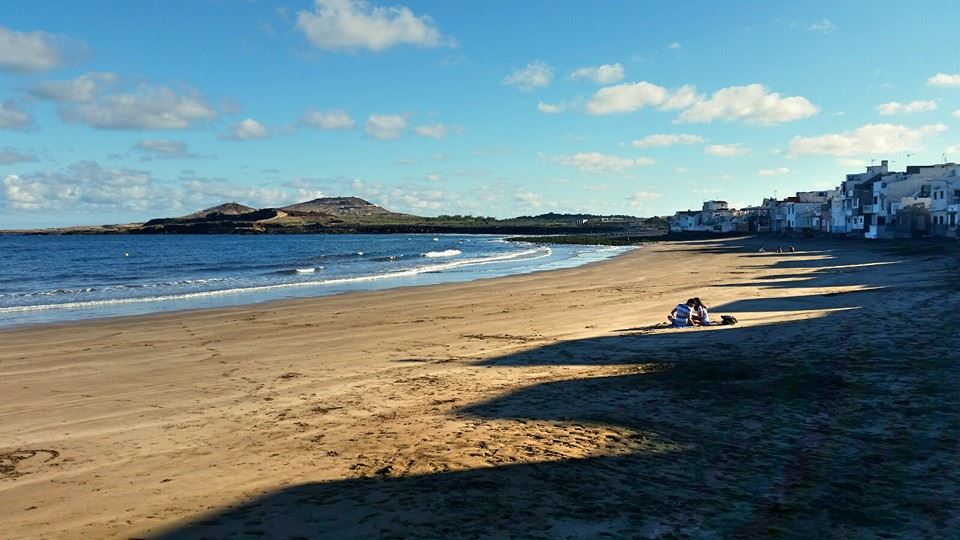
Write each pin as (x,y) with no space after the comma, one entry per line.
(792,249)
(682,314)
(700,316)
(761,250)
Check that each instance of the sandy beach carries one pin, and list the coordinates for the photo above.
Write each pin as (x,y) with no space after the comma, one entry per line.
(542,405)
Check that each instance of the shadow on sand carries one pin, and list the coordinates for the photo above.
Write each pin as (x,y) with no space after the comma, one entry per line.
(802,429)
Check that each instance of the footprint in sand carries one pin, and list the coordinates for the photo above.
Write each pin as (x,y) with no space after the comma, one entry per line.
(9,461)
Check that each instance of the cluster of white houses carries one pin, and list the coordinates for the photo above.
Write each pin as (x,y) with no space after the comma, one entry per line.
(924,200)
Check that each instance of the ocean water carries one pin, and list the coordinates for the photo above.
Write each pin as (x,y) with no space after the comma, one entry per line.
(47,279)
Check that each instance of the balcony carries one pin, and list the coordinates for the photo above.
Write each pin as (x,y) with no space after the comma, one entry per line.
(871,208)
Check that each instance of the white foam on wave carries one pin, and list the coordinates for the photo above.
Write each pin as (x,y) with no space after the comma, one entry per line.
(444,253)
(531,254)
(306,270)
(105,288)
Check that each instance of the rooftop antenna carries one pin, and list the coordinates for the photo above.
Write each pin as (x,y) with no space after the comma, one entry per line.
(944,156)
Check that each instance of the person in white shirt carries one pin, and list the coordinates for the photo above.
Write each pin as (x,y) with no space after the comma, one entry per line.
(700,316)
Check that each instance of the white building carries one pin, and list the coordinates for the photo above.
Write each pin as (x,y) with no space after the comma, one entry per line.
(804,211)
(854,191)
(715,216)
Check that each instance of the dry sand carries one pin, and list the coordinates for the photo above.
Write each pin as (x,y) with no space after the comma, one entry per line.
(543,405)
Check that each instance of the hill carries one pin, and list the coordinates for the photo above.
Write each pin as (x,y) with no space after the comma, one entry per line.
(337,206)
(227,209)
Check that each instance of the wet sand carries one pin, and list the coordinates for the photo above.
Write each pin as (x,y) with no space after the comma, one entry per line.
(543,405)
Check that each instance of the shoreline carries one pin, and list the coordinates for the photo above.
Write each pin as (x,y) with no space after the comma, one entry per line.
(438,271)
(541,404)
(279,303)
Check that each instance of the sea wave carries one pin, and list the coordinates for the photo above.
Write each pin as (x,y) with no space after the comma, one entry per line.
(113,288)
(529,254)
(444,253)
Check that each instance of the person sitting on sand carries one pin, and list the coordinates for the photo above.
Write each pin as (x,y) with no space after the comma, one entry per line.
(681,315)
(700,316)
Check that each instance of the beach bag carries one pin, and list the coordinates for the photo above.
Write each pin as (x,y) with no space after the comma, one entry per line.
(727,320)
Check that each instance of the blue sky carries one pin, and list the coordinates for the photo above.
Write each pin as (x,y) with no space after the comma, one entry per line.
(121,111)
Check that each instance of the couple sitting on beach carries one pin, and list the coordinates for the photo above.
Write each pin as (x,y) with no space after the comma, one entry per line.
(692,313)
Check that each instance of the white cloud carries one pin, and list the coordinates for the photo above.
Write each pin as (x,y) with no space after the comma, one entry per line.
(824,26)
(30,52)
(595,162)
(895,107)
(87,187)
(605,74)
(873,139)
(674,46)
(385,126)
(415,198)
(82,89)
(8,156)
(850,162)
(550,108)
(779,171)
(953,149)
(627,97)
(943,79)
(86,101)
(13,117)
(528,198)
(163,149)
(752,104)
(149,108)
(334,119)
(956,114)
(667,139)
(84,185)
(433,177)
(306,189)
(681,170)
(638,199)
(193,193)
(339,25)
(247,130)
(535,75)
(726,150)
(681,98)
(433,131)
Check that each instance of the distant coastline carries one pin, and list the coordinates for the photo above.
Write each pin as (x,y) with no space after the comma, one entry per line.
(352,215)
